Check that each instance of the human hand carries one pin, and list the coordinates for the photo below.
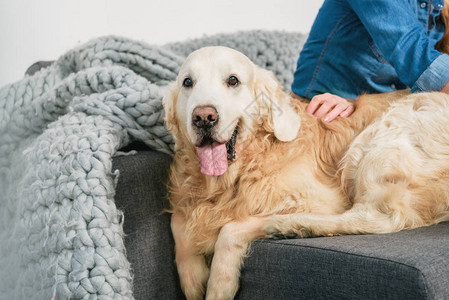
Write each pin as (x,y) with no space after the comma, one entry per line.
(330,105)
(445,88)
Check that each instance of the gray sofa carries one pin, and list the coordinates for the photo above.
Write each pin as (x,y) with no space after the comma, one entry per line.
(411,264)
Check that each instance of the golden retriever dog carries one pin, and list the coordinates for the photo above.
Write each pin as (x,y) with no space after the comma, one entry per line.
(251,163)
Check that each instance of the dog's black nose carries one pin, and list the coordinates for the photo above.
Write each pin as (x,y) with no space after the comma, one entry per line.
(204,117)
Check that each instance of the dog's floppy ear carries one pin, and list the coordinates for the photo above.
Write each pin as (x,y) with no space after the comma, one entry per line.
(280,117)
(169,103)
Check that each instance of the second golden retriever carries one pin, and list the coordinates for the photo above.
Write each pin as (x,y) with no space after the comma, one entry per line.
(250,163)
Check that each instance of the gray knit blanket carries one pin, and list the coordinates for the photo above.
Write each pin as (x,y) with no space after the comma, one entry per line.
(61,233)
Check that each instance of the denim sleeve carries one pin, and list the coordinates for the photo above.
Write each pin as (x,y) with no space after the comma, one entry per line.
(403,41)
(435,76)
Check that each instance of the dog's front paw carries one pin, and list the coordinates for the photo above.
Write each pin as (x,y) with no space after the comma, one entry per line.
(230,249)
(223,283)
(285,227)
(193,274)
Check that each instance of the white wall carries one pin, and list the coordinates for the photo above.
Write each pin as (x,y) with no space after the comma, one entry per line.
(32,30)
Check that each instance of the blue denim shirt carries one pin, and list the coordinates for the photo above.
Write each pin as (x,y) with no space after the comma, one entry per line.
(365,46)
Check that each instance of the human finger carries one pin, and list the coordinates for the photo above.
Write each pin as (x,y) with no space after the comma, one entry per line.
(348,111)
(329,101)
(315,102)
(336,111)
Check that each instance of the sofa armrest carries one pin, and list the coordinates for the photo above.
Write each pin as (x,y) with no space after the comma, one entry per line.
(411,264)
(141,195)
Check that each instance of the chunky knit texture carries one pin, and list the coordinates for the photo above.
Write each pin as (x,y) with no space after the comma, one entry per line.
(61,232)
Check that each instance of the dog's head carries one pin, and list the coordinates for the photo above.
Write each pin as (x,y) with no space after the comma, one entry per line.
(219,99)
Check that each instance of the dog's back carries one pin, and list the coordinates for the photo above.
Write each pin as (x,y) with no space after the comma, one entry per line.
(400,163)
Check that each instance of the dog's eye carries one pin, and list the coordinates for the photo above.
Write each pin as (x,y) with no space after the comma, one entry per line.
(188,82)
(233,81)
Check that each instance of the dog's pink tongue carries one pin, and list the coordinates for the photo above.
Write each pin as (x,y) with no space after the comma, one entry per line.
(213,159)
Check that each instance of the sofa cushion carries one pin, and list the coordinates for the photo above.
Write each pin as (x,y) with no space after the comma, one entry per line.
(412,264)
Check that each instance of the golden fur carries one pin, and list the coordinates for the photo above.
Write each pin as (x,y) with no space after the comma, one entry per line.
(384,169)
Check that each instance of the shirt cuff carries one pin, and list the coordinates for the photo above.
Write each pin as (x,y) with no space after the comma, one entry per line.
(434,77)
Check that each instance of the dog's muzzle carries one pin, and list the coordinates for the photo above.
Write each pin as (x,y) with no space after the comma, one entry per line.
(213,155)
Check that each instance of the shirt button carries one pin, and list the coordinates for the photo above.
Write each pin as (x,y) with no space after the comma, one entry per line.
(423,4)
(393,86)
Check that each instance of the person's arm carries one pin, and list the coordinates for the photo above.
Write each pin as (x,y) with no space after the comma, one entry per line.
(403,41)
